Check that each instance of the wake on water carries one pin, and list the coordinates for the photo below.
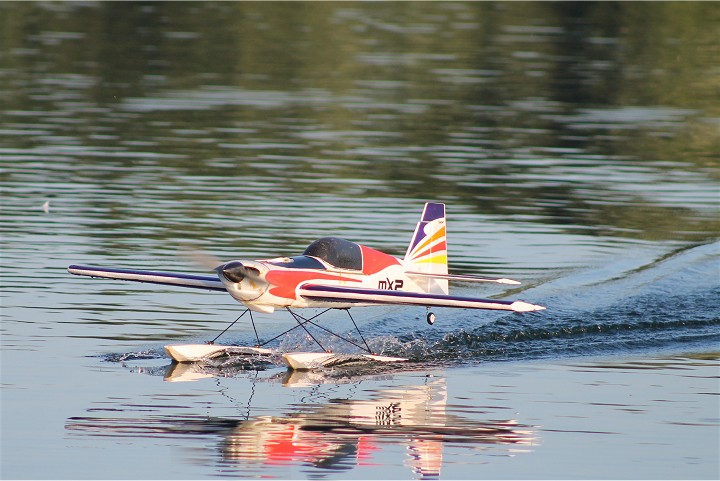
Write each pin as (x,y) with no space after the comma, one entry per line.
(670,304)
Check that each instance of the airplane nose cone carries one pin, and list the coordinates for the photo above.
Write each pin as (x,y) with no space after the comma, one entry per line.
(233,271)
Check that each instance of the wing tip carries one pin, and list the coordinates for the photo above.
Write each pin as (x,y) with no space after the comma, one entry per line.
(77,269)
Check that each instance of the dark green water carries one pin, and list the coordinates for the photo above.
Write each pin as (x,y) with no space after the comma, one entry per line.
(575,145)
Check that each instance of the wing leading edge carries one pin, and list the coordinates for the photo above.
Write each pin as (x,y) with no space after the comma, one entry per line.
(153,277)
(379,296)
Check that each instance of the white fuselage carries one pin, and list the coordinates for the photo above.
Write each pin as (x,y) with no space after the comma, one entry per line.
(277,286)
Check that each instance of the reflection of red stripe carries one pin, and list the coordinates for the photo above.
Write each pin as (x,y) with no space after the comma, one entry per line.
(285,282)
(437,248)
(288,443)
(280,445)
(365,447)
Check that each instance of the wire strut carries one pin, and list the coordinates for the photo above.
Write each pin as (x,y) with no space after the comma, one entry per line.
(301,322)
(358,330)
(254,329)
(294,327)
(310,321)
(231,325)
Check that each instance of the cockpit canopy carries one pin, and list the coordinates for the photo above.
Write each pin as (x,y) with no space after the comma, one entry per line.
(336,252)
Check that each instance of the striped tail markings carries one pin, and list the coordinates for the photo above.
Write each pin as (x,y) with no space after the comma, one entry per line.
(432,249)
(427,252)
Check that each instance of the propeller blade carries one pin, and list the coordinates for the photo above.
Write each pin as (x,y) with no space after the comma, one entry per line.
(199,258)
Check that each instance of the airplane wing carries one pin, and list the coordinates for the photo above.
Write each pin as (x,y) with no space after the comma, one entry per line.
(467,278)
(166,278)
(380,296)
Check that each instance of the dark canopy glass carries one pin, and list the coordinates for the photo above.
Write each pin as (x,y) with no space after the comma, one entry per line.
(336,252)
(300,262)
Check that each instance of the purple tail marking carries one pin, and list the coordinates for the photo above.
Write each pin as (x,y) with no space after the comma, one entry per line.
(431,212)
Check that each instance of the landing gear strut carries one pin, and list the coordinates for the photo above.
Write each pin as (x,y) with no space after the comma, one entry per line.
(431,318)
(301,323)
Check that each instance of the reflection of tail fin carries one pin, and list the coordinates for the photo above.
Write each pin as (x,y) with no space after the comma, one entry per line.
(427,252)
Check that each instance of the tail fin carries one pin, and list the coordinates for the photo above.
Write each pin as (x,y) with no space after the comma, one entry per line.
(427,252)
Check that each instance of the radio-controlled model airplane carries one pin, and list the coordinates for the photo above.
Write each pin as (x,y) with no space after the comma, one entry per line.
(332,273)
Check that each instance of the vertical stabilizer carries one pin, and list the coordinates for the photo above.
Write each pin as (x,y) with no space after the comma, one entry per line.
(427,252)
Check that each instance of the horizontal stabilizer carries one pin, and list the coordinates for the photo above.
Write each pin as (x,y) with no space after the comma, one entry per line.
(380,296)
(467,278)
(164,278)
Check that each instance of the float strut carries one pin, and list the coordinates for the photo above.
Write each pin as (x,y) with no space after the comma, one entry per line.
(358,330)
(231,325)
(302,324)
(254,328)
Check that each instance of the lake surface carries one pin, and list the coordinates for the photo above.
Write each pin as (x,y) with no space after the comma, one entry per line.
(576,148)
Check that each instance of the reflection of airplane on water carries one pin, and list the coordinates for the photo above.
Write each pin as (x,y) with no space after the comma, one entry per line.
(339,434)
(347,432)
(343,433)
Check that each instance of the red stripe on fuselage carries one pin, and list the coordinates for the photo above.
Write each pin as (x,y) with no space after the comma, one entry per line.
(285,281)
(375,261)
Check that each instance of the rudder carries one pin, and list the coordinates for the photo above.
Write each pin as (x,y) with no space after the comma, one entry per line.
(427,252)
